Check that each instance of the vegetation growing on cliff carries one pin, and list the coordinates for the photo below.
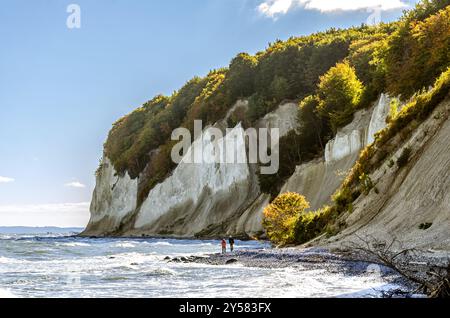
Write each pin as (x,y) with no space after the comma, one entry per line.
(409,117)
(339,93)
(282,215)
(286,70)
(358,181)
(405,63)
(419,50)
(331,74)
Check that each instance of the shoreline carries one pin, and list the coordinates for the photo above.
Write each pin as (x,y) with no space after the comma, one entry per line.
(309,259)
(325,266)
(344,261)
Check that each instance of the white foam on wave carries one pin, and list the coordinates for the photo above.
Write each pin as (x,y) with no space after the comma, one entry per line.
(126,245)
(75,244)
(161,244)
(131,258)
(7,260)
(374,292)
(6,293)
(143,271)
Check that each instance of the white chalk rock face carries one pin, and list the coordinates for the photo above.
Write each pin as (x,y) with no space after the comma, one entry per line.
(212,198)
(191,181)
(379,115)
(113,199)
(319,179)
(205,199)
(410,196)
(283,118)
(349,139)
(344,145)
(360,132)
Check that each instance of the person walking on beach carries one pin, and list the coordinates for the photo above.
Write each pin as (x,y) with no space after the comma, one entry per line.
(231,241)
(224,246)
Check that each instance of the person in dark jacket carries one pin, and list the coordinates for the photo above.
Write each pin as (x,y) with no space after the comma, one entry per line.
(231,241)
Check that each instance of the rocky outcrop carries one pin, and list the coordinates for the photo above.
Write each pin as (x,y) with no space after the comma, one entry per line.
(379,115)
(113,200)
(411,203)
(319,179)
(199,195)
(206,200)
(283,118)
(350,139)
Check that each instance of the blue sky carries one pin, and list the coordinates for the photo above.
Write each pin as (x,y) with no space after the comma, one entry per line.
(61,89)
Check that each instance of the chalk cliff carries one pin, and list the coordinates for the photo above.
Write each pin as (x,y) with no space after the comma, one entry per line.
(114,198)
(213,199)
(319,179)
(405,198)
(207,199)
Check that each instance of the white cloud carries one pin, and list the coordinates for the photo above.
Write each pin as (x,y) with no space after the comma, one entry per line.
(274,8)
(37,215)
(348,5)
(6,180)
(75,184)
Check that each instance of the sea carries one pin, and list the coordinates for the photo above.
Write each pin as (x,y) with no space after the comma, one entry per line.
(54,263)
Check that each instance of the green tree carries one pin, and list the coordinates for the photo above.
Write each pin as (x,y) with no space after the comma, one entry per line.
(279,88)
(339,93)
(314,128)
(257,107)
(240,77)
(417,53)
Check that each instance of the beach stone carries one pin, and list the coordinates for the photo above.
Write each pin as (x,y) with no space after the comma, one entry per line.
(231,261)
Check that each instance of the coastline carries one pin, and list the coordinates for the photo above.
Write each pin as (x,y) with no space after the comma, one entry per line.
(308,271)
(327,259)
(310,259)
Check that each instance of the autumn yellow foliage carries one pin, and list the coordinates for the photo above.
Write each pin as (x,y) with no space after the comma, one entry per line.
(282,215)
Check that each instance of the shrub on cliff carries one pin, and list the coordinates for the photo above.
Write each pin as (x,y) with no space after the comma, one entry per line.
(311,224)
(281,217)
(404,157)
(315,129)
(257,107)
(339,93)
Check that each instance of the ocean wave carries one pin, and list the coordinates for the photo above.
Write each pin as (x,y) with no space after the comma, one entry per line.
(160,272)
(74,244)
(6,293)
(115,278)
(125,245)
(162,244)
(7,260)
